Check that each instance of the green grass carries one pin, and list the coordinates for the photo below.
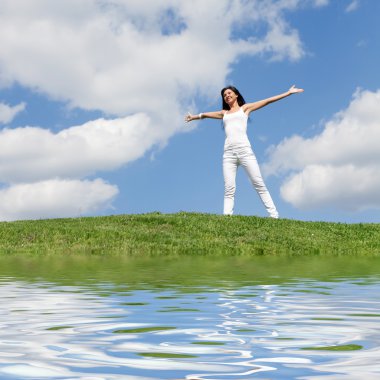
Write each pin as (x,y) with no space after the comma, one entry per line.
(187,234)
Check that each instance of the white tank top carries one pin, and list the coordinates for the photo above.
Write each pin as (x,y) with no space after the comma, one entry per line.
(235,127)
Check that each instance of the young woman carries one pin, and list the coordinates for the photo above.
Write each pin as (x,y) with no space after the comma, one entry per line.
(237,148)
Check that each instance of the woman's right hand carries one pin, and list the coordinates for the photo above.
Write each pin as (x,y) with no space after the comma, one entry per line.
(189,117)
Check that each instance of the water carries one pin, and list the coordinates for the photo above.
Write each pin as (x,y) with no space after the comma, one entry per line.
(95,319)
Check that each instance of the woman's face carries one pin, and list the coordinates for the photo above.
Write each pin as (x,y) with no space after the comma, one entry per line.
(229,96)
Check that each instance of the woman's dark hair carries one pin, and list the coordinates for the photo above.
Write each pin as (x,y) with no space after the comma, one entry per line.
(240,98)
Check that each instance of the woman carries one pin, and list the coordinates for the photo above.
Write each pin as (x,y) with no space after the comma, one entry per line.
(237,148)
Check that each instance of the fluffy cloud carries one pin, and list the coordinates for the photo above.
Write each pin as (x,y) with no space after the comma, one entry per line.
(126,56)
(339,167)
(7,112)
(54,198)
(33,154)
(148,59)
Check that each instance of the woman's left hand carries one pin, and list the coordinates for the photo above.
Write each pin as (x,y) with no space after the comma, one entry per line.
(295,90)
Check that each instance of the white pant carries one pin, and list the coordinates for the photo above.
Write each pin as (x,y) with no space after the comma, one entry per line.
(243,155)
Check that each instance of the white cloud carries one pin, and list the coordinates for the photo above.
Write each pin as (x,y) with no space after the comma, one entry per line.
(54,198)
(125,56)
(340,166)
(347,187)
(8,113)
(321,3)
(30,157)
(35,154)
(353,6)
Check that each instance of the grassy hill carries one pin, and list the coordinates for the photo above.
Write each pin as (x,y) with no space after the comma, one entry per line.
(187,234)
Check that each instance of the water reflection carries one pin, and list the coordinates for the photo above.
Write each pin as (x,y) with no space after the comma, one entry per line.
(192,319)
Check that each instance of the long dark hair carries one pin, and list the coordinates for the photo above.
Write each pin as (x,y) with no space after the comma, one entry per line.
(240,98)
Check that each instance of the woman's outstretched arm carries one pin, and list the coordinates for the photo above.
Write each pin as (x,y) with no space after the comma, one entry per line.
(249,107)
(211,115)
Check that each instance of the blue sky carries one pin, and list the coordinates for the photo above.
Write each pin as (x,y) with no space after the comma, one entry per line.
(93,94)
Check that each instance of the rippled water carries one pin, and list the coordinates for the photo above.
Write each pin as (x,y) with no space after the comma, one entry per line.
(189,320)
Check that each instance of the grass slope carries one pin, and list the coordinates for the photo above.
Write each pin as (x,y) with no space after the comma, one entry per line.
(187,233)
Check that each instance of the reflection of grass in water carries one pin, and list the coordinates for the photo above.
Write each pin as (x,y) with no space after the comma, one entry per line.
(182,275)
(207,343)
(166,355)
(322,287)
(311,291)
(364,283)
(285,338)
(143,330)
(347,347)
(364,315)
(56,328)
(245,330)
(176,309)
(110,316)
(167,297)
(134,303)
(327,319)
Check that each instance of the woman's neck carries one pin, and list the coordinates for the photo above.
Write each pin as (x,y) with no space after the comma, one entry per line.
(234,107)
